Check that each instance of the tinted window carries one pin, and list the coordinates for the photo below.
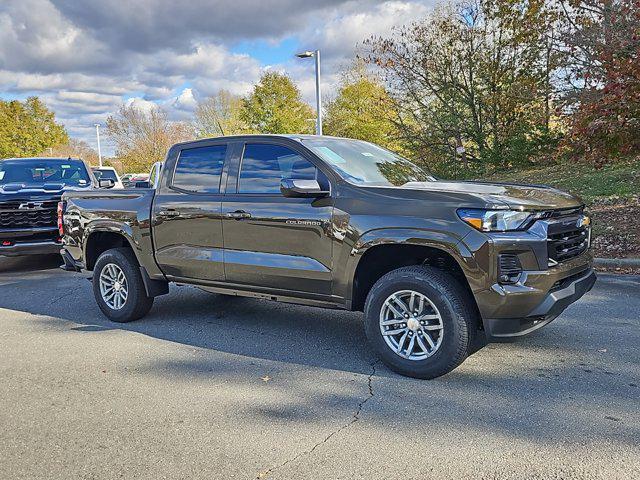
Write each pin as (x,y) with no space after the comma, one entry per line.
(199,169)
(264,166)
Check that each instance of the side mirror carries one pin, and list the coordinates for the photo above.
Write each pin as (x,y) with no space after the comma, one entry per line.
(144,184)
(106,183)
(301,188)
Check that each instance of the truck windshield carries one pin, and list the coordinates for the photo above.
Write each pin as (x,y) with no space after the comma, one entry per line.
(39,171)
(364,163)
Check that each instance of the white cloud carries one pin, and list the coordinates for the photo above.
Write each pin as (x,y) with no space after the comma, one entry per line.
(186,100)
(35,37)
(341,32)
(141,104)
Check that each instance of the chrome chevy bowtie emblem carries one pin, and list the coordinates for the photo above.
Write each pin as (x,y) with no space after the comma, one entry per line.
(29,205)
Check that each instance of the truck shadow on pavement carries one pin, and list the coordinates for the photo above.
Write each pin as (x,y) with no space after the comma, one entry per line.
(577,376)
(32,263)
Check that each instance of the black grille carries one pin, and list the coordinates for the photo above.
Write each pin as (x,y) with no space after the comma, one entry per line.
(566,240)
(12,216)
(564,212)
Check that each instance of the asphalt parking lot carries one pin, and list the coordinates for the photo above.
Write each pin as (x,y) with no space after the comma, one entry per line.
(210,386)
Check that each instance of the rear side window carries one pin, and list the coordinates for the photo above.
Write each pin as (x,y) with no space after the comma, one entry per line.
(264,166)
(199,169)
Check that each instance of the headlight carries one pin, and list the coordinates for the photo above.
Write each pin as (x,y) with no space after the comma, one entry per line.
(495,220)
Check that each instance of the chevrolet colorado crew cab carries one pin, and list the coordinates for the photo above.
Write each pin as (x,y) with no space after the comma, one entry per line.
(30,189)
(437,267)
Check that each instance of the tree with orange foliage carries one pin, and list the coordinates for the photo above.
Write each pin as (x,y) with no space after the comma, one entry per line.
(602,96)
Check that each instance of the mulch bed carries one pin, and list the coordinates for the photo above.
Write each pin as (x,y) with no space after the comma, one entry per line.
(616,230)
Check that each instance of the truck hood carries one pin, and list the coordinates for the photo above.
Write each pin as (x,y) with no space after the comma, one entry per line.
(528,197)
(48,191)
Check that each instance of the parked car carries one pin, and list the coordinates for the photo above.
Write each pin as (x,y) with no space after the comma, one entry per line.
(108,173)
(126,179)
(30,189)
(139,177)
(129,180)
(437,267)
(152,178)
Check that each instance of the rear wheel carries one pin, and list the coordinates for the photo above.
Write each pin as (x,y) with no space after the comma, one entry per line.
(419,321)
(118,286)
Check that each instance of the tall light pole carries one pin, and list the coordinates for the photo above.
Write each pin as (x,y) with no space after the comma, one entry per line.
(98,138)
(316,54)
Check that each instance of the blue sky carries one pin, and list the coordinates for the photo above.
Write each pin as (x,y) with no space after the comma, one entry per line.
(268,52)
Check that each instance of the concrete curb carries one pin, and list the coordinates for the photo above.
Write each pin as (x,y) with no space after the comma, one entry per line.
(617,262)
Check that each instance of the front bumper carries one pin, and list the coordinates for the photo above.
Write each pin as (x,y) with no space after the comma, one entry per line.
(546,285)
(30,248)
(549,307)
(29,241)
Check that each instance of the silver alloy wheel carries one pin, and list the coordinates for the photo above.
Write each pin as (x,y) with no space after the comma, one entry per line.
(411,325)
(113,286)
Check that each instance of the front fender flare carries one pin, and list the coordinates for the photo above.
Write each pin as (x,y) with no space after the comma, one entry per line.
(407,236)
(444,241)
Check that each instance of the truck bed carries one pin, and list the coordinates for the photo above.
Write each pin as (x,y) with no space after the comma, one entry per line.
(125,212)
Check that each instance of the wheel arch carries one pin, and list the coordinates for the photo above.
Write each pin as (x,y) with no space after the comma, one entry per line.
(105,236)
(379,252)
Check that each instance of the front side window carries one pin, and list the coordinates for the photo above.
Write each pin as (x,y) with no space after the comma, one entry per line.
(199,169)
(264,166)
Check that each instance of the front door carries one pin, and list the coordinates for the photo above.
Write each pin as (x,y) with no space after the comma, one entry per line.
(270,240)
(187,215)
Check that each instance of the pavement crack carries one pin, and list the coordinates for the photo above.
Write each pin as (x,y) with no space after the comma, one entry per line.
(355,418)
(62,297)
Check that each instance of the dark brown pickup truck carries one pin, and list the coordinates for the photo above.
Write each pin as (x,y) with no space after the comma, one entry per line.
(437,267)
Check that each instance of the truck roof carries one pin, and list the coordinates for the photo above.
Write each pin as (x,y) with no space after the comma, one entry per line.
(61,159)
(288,136)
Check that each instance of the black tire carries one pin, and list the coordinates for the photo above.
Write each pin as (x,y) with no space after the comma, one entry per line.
(137,304)
(458,320)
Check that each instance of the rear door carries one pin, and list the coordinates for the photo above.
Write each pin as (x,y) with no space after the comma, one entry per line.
(272,241)
(187,215)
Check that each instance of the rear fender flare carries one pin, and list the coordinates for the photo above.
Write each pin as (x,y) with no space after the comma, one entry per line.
(110,226)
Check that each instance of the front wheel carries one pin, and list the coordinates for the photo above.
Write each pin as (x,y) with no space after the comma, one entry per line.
(118,286)
(419,321)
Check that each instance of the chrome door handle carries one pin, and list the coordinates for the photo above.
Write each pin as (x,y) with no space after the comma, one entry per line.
(168,213)
(238,215)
